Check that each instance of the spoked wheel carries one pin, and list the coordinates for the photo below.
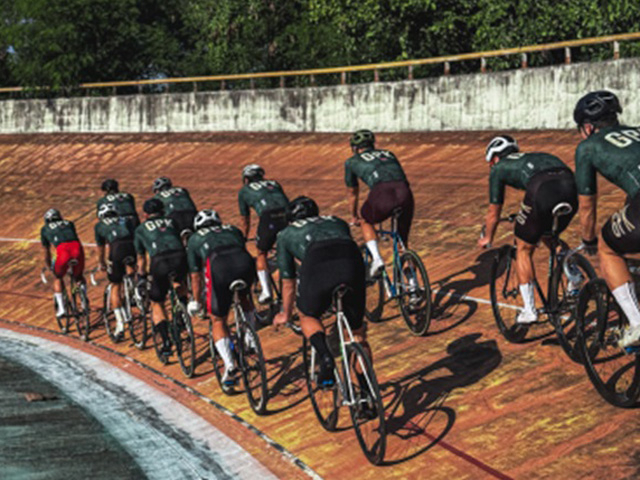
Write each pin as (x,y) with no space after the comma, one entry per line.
(218,363)
(157,345)
(414,293)
(367,411)
(63,322)
(138,324)
(505,295)
(614,373)
(81,309)
(184,339)
(108,317)
(563,300)
(323,399)
(252,365)
(375,290)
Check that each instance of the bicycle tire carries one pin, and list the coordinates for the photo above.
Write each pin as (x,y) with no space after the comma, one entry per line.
(63,322)
(598,317)
(374,306)
(505,292)
(416,316)
(184,339)
(138,320)
(157,345)
(81,315)
(218,364)
(108,317)
(374,447)
(562,303)
(253,368)
(324,400)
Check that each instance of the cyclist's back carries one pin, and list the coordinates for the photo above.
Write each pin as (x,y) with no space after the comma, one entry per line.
(261,195)
(123,202)
(62,235)
(177,203)
(373,166)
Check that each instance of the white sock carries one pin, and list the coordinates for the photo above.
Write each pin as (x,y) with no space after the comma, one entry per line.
(223,346)
(59,302)
(528,297)
(119,314)
(372,245)
(264,281)
(625,295)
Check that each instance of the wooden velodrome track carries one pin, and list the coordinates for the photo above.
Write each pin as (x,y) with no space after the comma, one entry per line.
(461,402)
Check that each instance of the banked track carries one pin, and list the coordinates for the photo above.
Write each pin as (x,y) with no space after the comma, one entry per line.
(461,403)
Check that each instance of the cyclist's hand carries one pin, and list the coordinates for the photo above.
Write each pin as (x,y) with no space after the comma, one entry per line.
(280,319)
(355,220)
(484,242)
(590,246)
(194,308)
(102,267)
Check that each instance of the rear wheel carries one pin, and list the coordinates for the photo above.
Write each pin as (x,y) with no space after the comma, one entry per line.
(157,345)
(414,293)
(252,364)
(138,321)
(81,309)
(323,399)
(505,295)
(108,317)
(614,373)
(184,339)
(218,363)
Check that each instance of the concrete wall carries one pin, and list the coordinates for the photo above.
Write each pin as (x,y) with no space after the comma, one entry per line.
(536,98)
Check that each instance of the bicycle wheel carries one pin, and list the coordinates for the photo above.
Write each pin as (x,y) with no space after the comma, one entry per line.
(323,399)
(138,319)
(564,303)
(218,364)
(157,345)
(367,411)
(414,293)
(252,365)
(108,317)
(63,322)
(80,305)
(614,374)
(375,290)
(184,339)
(505,295)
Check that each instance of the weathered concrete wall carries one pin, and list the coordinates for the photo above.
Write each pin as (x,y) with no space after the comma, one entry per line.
(536,98)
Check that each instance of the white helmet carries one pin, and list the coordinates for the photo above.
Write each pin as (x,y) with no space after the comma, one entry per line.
(107,210)
(499,145)
(252,171)
(206,218)
(52,215)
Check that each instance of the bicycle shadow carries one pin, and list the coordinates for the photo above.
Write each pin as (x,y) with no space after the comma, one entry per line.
(417,418)
(285,377)
(450,308)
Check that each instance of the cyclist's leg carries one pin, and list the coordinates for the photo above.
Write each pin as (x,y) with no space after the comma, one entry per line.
(160,270)
(270,223)
(60,267)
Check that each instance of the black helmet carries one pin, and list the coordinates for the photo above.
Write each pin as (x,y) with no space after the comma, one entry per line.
(303,207)
(153,205)
(161,183)
(362,139)
(596,106)
(501,146)
(109,185)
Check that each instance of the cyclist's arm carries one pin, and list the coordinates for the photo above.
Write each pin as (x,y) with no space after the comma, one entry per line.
(353,200)
(142,264)
(288,296)
(195,286)
(47,256)
(101,260)
(246,225)
(492,219)
(587,209)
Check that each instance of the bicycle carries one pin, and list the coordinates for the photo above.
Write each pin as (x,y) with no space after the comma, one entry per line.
(408,283)
(614,371)
(181,334)
(558,305)
(248,355)
(79,316)
(357,390)
(136,308)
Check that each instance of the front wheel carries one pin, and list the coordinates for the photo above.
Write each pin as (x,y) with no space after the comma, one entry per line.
(252,364)
(184,339)
(323,399)
(414,293)
(367,411)
(614,373)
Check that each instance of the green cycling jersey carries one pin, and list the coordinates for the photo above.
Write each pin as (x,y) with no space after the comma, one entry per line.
(205,240)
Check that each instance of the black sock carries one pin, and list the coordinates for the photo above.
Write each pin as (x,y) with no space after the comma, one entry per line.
(319,342)
(163,328)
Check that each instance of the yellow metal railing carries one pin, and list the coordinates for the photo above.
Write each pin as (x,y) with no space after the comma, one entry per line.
(375,67)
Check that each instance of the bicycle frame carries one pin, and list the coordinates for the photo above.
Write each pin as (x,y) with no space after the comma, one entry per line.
(391,283)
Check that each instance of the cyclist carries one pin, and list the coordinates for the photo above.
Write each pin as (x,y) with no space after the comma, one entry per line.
(613,150)
(158,237)
(389,190)
(117,232)
(267,198)
(329,258)
(62,235)
(547,182)
(177,202)
(123,202)
(220,251)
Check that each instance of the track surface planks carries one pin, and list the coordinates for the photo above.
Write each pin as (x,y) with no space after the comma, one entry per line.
(461,403)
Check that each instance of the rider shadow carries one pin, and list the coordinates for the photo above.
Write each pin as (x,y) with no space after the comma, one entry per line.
(450,308)
(417,418)
(285,377)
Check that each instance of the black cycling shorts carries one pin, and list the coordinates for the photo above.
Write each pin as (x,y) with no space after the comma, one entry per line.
(119,251)
(327,265)
(383,199)
(224,266)
(271,222)
(622,231)
(133,220)
(183,220)
(545,190)
(163,266)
